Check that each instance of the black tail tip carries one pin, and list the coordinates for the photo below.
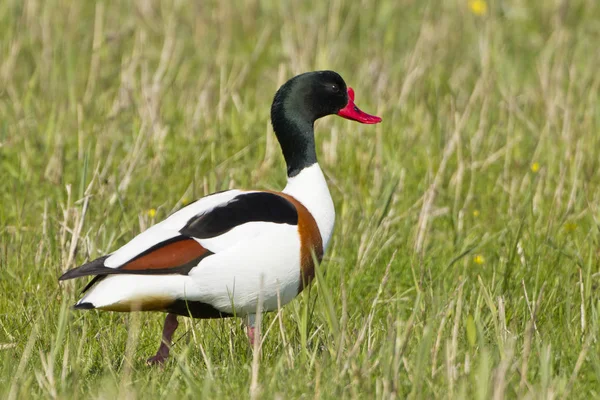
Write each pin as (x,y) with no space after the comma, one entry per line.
(67,275)
(84,306)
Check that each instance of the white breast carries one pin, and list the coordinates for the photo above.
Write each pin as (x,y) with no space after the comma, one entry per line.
(310,188)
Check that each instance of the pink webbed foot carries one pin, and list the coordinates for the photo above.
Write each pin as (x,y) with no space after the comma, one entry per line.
(162,354)
(159,358)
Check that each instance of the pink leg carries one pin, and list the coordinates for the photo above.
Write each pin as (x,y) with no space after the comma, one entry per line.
(165,345)
(250,329)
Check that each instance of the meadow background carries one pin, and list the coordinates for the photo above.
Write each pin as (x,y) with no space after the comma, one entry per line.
(465,258)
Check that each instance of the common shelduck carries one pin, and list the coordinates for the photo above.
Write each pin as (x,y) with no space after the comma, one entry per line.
(213,258)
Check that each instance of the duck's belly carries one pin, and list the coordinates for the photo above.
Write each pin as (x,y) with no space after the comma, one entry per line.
(267,267)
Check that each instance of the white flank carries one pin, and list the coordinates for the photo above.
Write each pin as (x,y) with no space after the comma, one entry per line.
(232,278)
(115,289)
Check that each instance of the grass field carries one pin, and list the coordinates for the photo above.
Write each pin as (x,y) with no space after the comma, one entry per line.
(465,258)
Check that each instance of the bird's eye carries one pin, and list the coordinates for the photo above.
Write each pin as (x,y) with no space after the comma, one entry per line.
(335,88)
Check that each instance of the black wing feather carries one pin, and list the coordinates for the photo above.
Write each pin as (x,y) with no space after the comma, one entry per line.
(249,207)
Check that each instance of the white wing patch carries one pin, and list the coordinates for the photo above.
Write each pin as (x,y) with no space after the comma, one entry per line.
(167,229)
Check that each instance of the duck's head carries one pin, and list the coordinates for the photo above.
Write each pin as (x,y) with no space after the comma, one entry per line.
(300,102)
(313,95)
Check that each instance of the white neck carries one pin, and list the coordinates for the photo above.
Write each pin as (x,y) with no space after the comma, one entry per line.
(310,188)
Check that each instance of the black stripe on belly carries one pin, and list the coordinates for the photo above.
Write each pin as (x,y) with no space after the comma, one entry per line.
(83,306)
(249,207)
(196,309)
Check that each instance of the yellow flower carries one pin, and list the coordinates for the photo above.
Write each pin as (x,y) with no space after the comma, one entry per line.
(151,212)
(570,227)
(535,167)
(185,201)
(476,213)
(478,7)
(478,259)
